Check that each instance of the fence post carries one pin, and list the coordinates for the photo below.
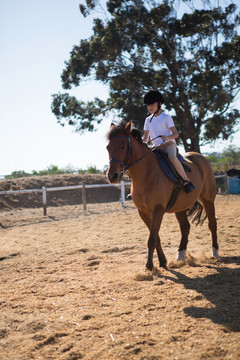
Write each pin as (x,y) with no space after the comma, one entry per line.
(226,184)
(84,198)
(123,193)
(44,200)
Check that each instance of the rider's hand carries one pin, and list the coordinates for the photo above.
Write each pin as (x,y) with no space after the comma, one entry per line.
(165,138)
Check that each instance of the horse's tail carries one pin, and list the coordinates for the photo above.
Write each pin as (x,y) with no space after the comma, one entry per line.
(197,213)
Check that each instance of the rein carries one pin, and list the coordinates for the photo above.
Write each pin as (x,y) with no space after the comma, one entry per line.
(154,139)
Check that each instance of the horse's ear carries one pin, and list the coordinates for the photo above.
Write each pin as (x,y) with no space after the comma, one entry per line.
(128,127)
(112,125)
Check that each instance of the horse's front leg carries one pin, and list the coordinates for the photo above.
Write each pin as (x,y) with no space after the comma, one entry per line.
(161,257)
(154,240)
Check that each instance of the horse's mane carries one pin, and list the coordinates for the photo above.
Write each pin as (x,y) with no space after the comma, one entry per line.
(115,130)
(137,134)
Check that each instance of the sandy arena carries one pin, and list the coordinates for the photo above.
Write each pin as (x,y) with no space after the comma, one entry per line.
(74,286)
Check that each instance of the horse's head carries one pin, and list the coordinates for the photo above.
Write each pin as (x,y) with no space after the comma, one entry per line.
(119,149)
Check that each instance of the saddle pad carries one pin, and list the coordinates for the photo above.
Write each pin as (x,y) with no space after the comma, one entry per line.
(167,166)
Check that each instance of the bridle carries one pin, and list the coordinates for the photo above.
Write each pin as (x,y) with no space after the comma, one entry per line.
(125,163)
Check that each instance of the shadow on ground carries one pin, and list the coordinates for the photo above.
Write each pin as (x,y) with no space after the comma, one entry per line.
(221,289)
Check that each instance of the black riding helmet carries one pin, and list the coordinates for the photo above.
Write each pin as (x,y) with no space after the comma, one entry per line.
(153,96)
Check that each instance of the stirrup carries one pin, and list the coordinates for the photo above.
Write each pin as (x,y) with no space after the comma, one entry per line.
(188,186)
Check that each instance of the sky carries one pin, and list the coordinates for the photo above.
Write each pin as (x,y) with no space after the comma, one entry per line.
(36,38)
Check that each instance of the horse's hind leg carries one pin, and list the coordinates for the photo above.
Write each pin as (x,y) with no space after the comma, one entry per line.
(212,224)
(185,228)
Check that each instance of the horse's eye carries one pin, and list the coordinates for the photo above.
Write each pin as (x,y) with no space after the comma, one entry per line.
(123,146)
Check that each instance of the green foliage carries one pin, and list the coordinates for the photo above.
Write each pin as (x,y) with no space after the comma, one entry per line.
(92,170)
(192,57)
(229,158)
(54,170)
(17,174)
(51,170)
(233,152)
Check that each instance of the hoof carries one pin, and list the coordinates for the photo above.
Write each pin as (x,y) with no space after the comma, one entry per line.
(181,255)
(163,266)
(149,267)
(215,253)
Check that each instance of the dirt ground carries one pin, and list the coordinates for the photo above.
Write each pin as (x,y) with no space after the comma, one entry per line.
(74,286)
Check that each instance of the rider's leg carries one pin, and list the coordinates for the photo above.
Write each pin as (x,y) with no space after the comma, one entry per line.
(171,149)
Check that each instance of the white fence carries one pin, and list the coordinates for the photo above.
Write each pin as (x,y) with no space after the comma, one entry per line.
(44,191)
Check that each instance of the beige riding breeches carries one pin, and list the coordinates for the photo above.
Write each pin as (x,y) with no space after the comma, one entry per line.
(171,149)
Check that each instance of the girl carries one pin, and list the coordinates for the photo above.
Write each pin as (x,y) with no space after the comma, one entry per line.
(161,129)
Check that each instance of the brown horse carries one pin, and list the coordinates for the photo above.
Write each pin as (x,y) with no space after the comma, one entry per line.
(151,189)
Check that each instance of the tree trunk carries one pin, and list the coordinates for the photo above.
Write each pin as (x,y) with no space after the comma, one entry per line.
(194,146)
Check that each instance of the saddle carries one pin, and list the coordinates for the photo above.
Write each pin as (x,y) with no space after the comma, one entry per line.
(171,173)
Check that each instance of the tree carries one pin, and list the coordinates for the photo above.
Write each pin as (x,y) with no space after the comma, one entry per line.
(191,57)
(229,157)
(233,152)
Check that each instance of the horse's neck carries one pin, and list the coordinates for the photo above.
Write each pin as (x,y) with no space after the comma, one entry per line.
(142,160)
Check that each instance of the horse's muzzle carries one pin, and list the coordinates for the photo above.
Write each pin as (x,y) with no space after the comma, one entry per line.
(114,177)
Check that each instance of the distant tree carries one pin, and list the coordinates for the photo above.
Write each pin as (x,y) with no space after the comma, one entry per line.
(54,170)
(92,170)
(224,161)
(51,170)
(17,174)
(233,152)
(193,57)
